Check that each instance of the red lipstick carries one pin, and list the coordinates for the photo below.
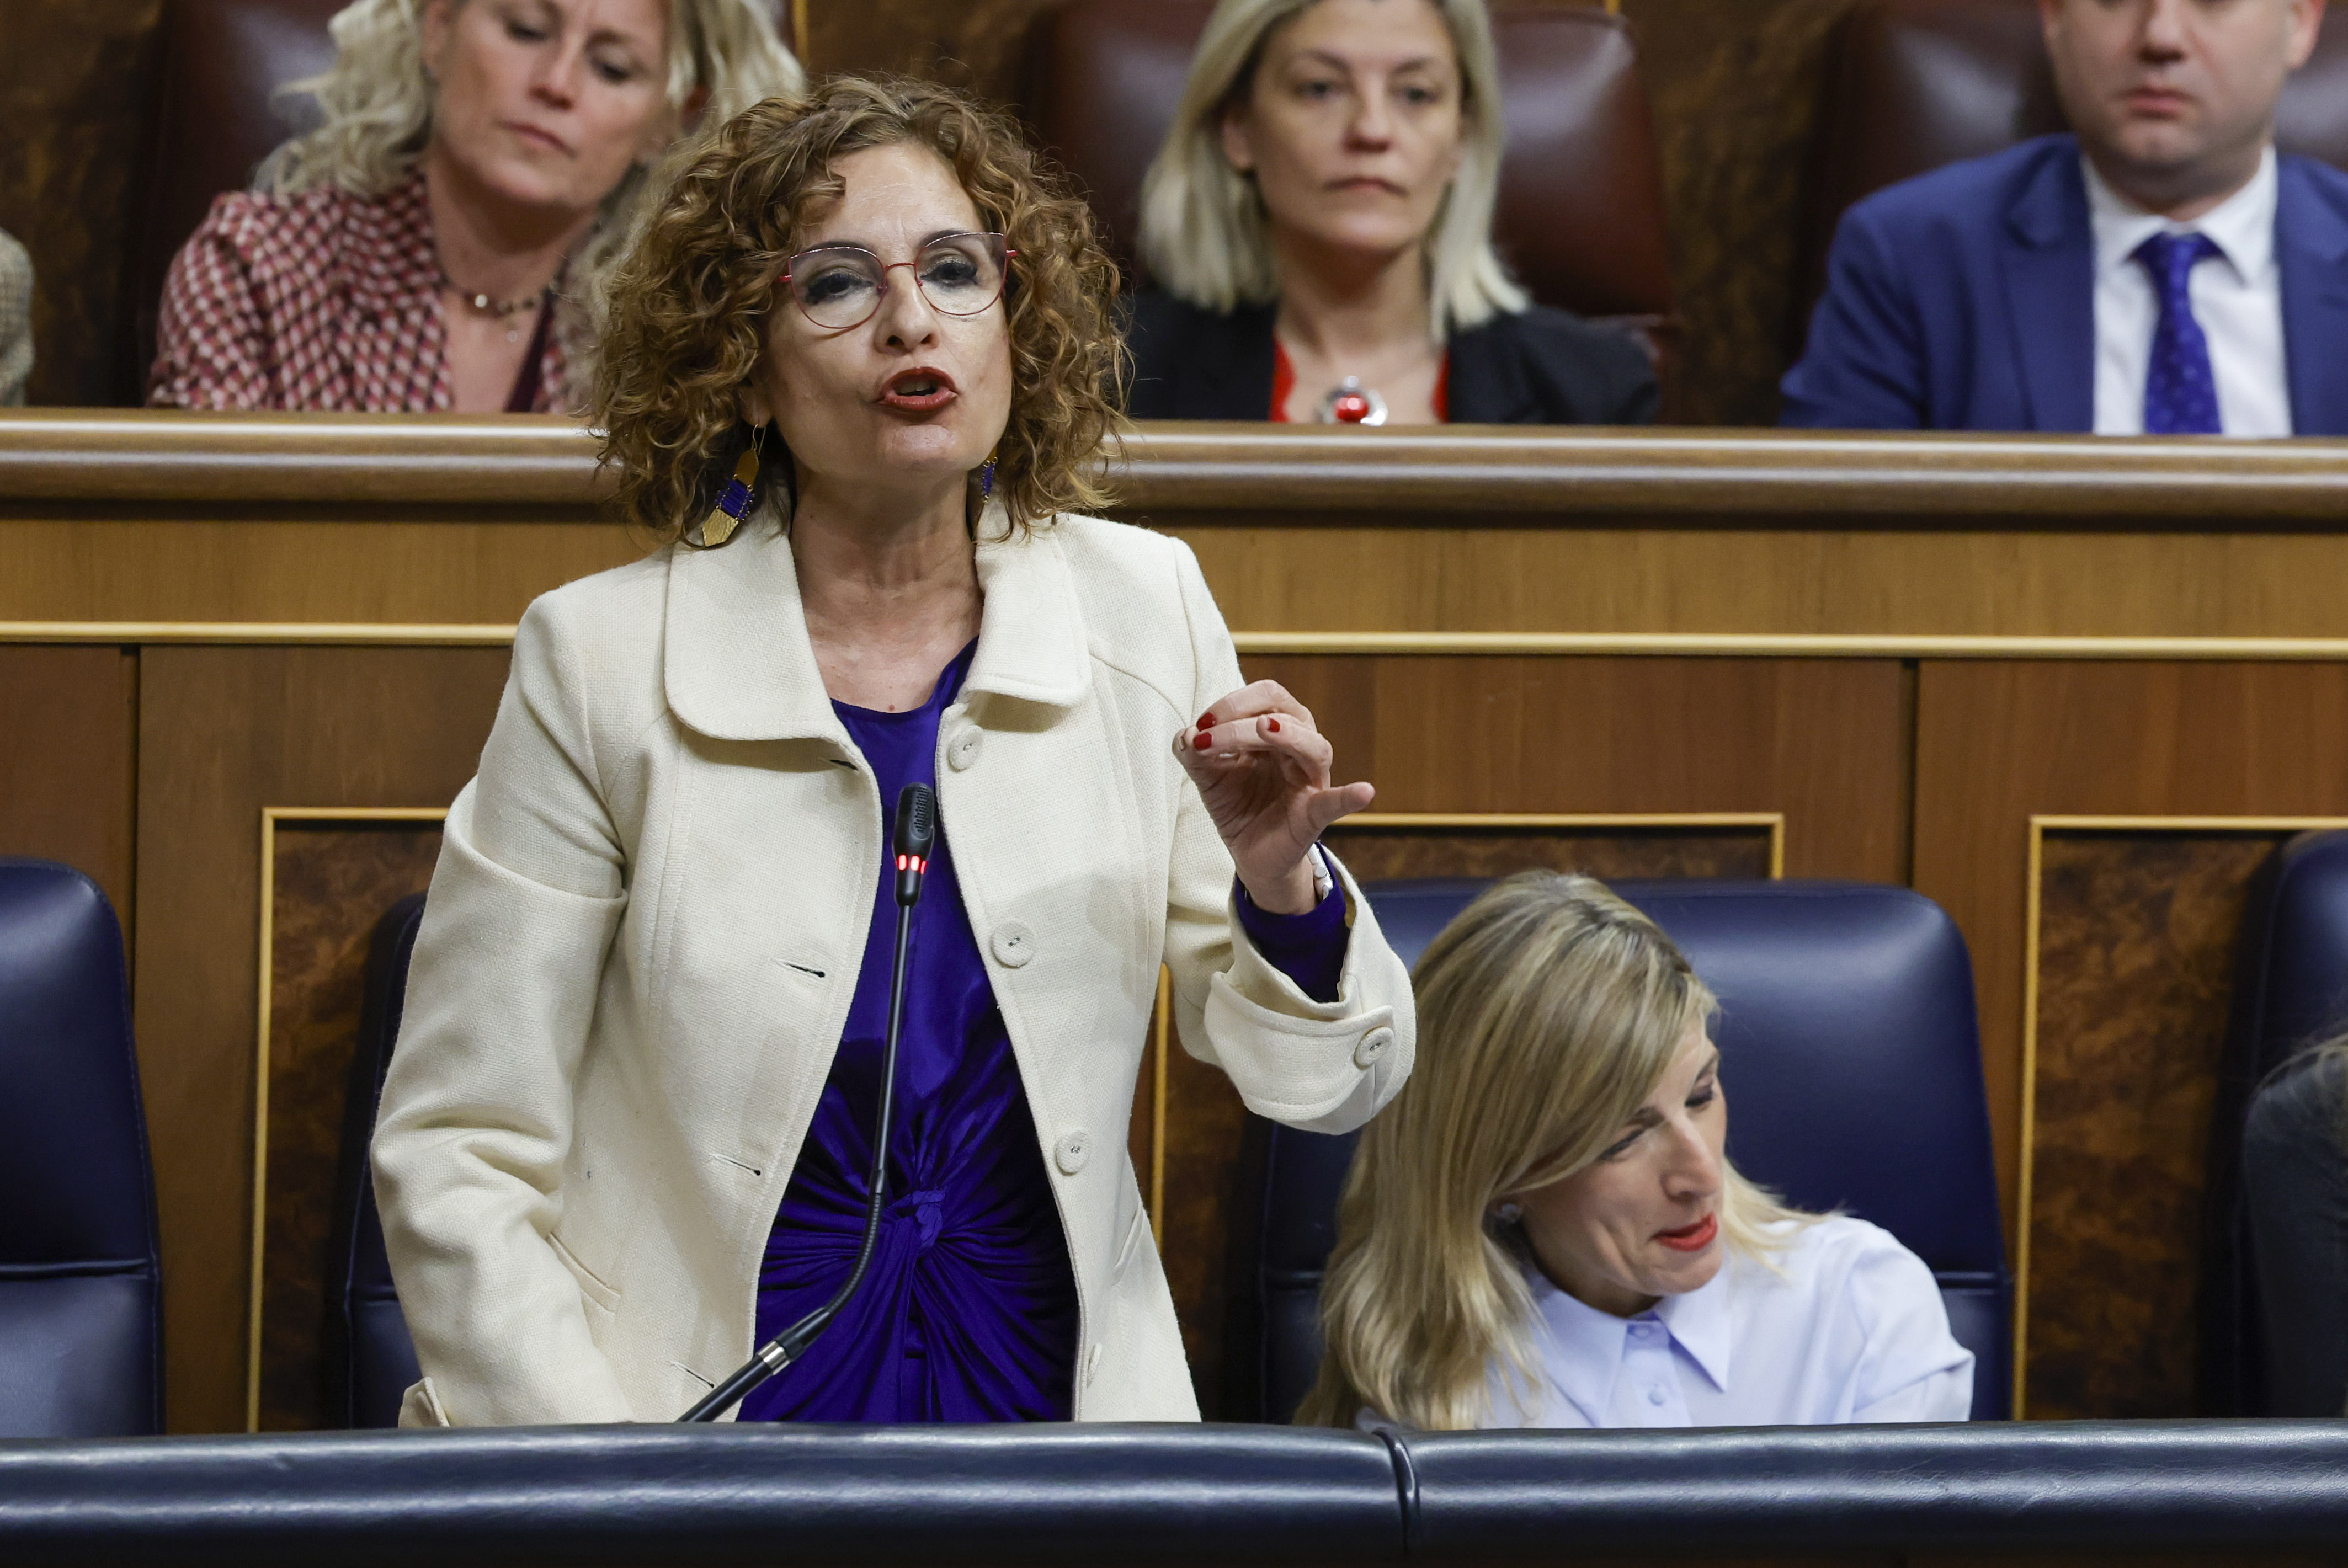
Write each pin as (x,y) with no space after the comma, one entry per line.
(1692,1238)
(918,391)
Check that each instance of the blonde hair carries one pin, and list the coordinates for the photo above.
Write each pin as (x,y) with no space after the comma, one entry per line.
(375,103)
(1547,1013)
(1202,222)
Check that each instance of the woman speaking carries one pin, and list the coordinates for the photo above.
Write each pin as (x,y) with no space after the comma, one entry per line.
(858,371)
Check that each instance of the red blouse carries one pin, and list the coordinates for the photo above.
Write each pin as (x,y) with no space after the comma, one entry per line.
(1283,382)
(322,299)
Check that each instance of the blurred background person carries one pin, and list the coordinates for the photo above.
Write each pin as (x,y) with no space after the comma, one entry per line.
(1317,228)
(1544,1230)
(2161,271)
(439,241)
(15,321)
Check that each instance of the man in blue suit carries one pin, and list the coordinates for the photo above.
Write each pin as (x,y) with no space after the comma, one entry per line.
(2160,272)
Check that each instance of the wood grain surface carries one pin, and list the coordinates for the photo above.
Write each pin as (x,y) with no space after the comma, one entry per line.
(68,721)
(334,881)
(2136,938)
(541,464)
(224,731)
(1998,743)
(77,82)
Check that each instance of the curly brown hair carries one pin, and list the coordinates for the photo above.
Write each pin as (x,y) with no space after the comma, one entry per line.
(688,309)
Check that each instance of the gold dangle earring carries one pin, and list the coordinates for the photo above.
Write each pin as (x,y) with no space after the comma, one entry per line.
(733,501)
(986,479)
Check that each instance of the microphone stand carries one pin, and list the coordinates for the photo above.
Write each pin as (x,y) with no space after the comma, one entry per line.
(917,816)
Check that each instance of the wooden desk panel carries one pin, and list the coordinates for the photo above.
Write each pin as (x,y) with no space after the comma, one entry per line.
(447,521)
(68,721)
(224,732)
(1907,647)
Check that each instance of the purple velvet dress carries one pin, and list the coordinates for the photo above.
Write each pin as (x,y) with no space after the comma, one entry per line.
(969,1312)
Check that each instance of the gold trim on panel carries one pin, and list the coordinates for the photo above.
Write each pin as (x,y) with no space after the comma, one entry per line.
(1792,645)
(1775,820)
(322,632)
(271,816)
(2040,826)
(1521,644)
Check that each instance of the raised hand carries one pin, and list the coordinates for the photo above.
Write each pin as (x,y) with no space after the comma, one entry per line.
(1263,769)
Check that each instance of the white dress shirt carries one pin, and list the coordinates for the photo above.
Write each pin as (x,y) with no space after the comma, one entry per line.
(1847,1327)
(2236,297)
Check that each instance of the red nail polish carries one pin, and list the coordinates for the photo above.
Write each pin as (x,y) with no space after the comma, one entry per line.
(1273,724)
(1207,720)
(1202,742)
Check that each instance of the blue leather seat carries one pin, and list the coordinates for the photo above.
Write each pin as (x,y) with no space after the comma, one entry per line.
(370,1361)
(1045,1494)
(2291,990)
(81,1332)
(1853,1066)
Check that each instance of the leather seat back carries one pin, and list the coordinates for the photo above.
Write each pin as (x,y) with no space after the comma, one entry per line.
(1580,215)
(370,1361)
(214,121)
(1913,85)
(81,1338)
(1852,1062)
(2291,990)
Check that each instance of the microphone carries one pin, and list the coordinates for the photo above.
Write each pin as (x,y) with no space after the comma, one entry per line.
(916,832)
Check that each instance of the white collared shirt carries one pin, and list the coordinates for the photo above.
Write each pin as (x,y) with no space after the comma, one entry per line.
(1848,1328)
(2236,297)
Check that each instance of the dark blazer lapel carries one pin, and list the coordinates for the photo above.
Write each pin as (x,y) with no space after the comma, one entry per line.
(1228,374)
(1485,379)
(2049,260)
(2311,250)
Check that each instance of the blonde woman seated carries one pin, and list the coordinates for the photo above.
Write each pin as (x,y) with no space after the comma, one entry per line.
(1318,224)
(439,241)
(1543,1230)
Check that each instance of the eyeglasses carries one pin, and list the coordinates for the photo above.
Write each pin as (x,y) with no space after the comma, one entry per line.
(839,286)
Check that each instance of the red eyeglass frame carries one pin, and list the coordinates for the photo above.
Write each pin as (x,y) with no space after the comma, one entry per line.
(889,267)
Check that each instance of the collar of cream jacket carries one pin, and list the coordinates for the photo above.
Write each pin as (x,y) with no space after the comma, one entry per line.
(738,666)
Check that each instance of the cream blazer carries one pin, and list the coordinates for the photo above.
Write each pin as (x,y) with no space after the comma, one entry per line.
(644,929)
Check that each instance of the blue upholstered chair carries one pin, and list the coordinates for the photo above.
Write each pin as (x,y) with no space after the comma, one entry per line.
(81,1332)
(370,1361)
(2291,990)
(1853,1065)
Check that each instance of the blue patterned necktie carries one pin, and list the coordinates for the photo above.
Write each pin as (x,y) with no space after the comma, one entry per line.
(2180,395)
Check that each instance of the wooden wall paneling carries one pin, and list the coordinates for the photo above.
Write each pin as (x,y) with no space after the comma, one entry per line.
(1736,86)
(2134,930)
(1822,742)
(69,744)
(224,732)
(1999,743)
(76,82)
(1379,847)
(1280,578)
(1460,575)
(327,880)
(310,571)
